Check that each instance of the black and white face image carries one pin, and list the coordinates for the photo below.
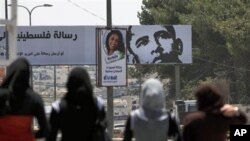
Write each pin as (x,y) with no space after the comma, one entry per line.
(156,44)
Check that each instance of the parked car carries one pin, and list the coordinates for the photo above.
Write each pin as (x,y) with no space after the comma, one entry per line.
(118,130)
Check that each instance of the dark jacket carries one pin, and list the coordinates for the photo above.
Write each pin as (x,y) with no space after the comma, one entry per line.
(25,104)
(209,126)
(209,122)
(75,114)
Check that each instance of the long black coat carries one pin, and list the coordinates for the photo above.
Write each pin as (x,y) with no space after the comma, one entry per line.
(25,104)
(75,114)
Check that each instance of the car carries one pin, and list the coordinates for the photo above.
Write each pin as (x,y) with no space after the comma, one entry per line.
(118,130)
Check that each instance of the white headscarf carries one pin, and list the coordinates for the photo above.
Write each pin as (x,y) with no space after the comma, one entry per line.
(153,100)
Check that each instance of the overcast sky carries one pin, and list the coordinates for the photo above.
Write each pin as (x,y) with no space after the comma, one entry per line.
(76,12)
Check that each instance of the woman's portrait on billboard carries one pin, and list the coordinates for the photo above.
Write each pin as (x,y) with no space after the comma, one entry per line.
(114,46)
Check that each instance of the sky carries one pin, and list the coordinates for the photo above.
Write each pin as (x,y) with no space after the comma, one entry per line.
(76,12)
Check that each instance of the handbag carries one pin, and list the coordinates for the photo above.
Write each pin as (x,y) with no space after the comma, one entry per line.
(174,129)
(100,132)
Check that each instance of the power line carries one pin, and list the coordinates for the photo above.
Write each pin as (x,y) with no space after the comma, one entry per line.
(86,10)
(228,66)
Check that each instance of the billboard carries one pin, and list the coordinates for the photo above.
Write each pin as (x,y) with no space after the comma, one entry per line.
(153,44)
(111,58)
(43,45)
(146,44)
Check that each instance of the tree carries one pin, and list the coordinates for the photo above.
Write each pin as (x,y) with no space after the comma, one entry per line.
(220,37)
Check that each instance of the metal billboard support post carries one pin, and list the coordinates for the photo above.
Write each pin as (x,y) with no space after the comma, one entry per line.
(177,81)
(54,82)
(110,110)
(110,107)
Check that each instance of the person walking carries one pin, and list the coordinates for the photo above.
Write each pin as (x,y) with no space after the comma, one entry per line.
(212,120)
(24,105)
(75,115)
(151,122)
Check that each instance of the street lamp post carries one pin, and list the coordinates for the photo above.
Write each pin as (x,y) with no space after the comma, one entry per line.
(30,11)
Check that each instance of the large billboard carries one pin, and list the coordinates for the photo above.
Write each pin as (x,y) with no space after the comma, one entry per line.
(151,44)
(43,45)
(146,44)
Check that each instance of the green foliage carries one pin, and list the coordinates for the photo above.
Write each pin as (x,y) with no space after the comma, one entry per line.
(220,41)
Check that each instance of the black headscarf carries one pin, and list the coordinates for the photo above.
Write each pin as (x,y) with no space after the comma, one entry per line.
(18,75)
(24,101)
(78,109)
(80,90)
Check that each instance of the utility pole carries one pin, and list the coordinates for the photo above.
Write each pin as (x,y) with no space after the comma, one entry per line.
(110,107)
(6,30)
